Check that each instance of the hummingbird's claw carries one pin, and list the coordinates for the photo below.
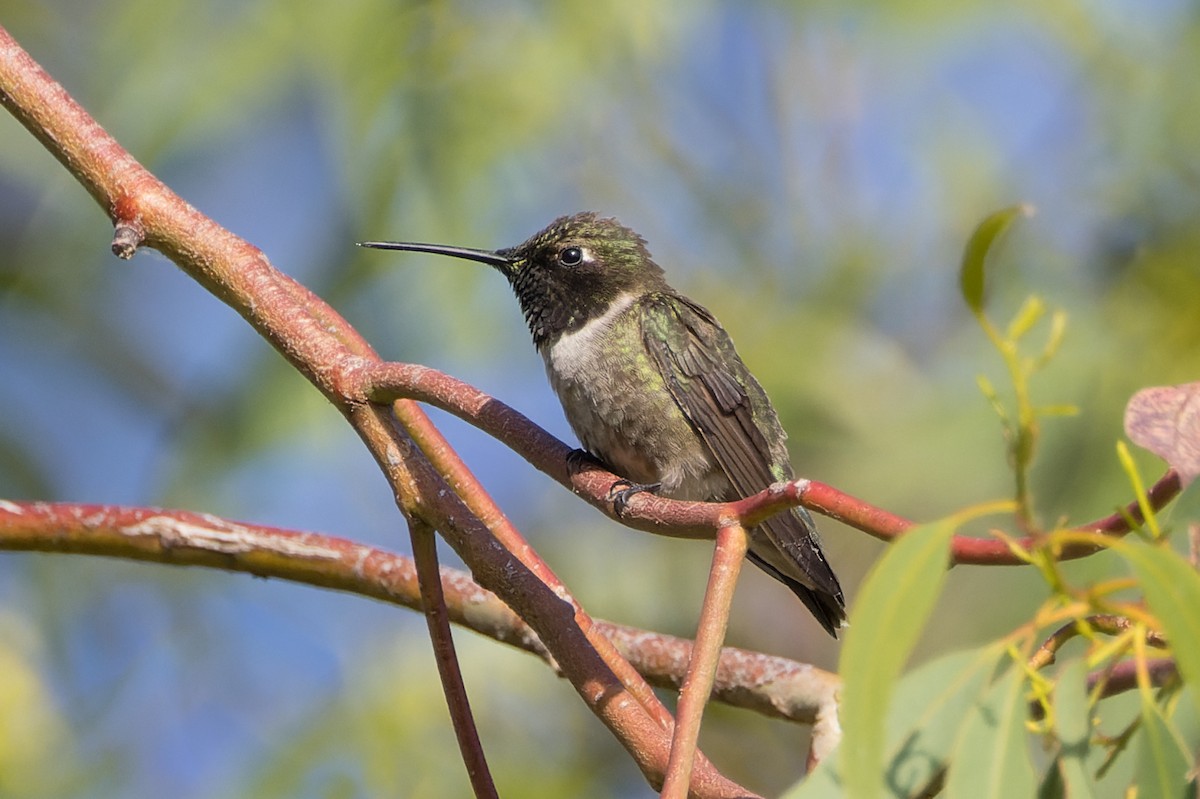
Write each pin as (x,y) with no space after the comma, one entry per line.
(579,460)
(624,490)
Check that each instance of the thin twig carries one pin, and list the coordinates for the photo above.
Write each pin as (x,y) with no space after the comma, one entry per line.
(1106,623)
(728,555)
(429,579)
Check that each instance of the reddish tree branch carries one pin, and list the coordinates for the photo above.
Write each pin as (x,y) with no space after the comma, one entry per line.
(1105,623)
(1119,677)
(765,684)
(383,382)
(433,603)
(728,555)
(1122,676)
(324,348)
(994,552)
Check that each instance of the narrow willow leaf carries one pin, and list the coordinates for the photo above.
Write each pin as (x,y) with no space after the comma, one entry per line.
(1073,724)
(1162,768)
(989,393)
(1058,410)
(992,758)
(1139,491)
(1058,329)
(927,715)
(923,724)
(1052,785)
(1186,718)
(892,606)
(1030,312)
(971,274)
(1172,589)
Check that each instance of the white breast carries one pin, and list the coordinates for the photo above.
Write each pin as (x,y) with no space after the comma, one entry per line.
(575,353)
(592,371)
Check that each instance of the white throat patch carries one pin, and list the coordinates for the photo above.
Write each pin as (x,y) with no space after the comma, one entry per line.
(575,351)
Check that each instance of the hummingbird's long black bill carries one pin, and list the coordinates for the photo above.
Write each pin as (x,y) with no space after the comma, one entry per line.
(482,256)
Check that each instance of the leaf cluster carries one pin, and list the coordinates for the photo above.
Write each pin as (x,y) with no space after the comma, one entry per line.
(995,719)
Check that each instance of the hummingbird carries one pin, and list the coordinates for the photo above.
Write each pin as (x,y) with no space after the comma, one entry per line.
(652,385)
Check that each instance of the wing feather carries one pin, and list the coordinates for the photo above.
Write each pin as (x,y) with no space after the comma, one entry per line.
(730,410)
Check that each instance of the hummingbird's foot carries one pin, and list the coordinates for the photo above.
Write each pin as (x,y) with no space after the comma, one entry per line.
(624,490)
(580,460)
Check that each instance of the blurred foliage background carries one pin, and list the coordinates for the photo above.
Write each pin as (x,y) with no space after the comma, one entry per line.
(809,171)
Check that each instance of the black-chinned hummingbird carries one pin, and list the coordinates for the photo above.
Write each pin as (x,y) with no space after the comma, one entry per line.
(652,386)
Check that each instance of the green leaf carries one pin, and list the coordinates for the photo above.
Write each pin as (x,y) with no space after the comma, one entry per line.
(992,758)
(1058,329)
(1032,310)
(893,604)
(1052,786)
(927,715)
(1186,718)
(1172,589)
(923,724)
(1162,767)
(1073,725)
(989,393)
(1057,410)
(979,246)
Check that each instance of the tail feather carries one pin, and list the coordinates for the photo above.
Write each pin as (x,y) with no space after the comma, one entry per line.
(828,609)
(787,547)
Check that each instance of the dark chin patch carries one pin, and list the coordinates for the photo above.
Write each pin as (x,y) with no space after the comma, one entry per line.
(552,309)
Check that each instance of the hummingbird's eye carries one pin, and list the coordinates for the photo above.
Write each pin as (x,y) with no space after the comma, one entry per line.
(571,256)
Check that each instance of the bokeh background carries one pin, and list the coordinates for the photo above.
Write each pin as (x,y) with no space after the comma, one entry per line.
(809,171)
